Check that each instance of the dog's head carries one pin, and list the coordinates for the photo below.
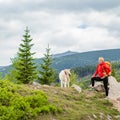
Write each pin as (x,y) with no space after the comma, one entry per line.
(67,72)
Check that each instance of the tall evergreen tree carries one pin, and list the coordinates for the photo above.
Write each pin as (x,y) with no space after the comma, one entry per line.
(26,68)
(47,73)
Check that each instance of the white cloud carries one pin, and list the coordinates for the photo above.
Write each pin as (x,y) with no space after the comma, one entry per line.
(64,28)
(5,1)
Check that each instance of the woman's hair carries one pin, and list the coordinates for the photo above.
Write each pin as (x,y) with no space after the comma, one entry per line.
(101,58)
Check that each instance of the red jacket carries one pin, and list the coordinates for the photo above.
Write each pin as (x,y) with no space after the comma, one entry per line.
(102,70)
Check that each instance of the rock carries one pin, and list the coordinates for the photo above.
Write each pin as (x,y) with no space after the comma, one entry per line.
(109,117)
(118,98)
(94,116)
(77,88)
(53,84)
(114,91)
(55,92)
(36,84)
(101,115)
(99,86)
(46,85)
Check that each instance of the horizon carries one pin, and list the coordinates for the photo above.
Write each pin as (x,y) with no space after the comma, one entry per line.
(65,25)
(76,52)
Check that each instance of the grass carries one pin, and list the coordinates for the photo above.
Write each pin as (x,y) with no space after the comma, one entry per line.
(84,106)
(24,102)
(19,102)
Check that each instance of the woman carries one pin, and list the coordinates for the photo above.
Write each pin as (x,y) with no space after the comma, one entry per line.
(101,74)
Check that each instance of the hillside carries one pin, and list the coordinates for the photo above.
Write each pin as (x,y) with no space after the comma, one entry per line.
(5,69)
(84,106)
(83,59)
(73,59)
(36,102)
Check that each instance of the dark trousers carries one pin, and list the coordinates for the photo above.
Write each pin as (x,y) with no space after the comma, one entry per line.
(105,82)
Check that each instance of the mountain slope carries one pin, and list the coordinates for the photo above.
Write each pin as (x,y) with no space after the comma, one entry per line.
(5,69)
(74,59)
(83,59)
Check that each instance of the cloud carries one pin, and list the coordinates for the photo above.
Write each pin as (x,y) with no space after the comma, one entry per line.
(78,5)
(65,25)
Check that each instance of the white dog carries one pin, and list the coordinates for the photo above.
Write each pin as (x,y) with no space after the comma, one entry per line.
(64,77)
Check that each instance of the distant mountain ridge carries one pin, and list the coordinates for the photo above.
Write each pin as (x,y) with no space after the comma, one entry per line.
(83,59)
(71,59)
(1,67)
(64,54)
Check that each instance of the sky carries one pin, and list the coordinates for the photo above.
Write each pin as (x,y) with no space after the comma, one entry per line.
(75,25)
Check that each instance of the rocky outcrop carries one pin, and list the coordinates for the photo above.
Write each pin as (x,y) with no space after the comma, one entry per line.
(114,92)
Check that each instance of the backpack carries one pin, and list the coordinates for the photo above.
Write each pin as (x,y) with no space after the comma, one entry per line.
(109,65)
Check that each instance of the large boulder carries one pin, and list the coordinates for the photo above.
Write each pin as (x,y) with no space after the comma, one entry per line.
(77,88)
(114,91)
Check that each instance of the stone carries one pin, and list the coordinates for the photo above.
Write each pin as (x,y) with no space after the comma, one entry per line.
(46,85)
(94,116)
(77,88)
(36,84)
(99,86)
(114,91)
(118,98)
(109,117)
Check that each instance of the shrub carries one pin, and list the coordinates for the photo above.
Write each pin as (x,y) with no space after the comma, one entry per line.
(73,78)
(19,102)
(37,99)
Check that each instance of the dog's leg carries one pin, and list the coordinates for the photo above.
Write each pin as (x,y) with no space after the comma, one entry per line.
(65,84)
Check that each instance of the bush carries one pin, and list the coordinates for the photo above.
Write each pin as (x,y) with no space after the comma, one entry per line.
(19,102)
(73,78)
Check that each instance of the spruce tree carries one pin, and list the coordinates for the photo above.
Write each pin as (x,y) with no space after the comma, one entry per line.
(47,73)
(26,67)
